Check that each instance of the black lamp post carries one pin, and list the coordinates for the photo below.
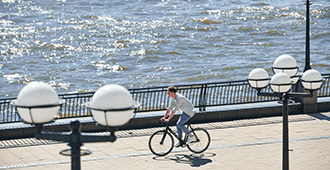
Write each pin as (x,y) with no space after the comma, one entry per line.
(285,112)
(307,51)
(75,139)
(285,69)
(112,106)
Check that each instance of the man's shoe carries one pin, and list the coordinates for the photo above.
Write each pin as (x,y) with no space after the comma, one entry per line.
(178,144)
(190,139)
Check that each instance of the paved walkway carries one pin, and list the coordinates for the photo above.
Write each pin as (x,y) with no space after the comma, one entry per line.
(236,145)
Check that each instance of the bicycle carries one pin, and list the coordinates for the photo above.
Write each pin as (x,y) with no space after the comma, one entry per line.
(161,142)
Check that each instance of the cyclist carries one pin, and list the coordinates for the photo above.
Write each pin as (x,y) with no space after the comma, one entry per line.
(181,103)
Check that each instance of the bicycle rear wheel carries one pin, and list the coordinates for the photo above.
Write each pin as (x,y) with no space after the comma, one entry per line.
(160,143)
(201,142)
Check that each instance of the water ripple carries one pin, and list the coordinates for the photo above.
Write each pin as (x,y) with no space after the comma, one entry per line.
(82,45)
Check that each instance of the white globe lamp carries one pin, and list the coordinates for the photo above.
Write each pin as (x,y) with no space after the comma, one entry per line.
(258,78)
(280,83)
(311,79)
(112,105)
(37,103)
(285,64)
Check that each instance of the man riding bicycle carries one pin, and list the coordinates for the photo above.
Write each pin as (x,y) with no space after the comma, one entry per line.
(181,103)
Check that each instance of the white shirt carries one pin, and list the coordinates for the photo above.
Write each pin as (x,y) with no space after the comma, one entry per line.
(182,104)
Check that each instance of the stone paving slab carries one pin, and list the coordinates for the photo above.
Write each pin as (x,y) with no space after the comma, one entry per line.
(242,144)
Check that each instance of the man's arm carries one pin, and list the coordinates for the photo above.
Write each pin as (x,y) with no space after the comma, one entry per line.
(170,117)
(166,114)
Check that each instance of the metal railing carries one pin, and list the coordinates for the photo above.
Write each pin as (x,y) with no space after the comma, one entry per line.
(156,99)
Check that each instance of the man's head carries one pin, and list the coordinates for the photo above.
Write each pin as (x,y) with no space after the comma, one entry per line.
(171,91)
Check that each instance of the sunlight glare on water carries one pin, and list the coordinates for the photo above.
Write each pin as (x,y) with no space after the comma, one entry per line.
(81,45)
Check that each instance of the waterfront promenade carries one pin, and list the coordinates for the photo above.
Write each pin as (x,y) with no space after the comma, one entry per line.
(241,144)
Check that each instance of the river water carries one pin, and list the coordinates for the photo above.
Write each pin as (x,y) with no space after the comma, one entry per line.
(81,45)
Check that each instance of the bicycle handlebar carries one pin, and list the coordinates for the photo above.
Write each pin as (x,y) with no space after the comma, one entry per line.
(163,122)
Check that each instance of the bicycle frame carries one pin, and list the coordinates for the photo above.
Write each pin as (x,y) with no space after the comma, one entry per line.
(169,130)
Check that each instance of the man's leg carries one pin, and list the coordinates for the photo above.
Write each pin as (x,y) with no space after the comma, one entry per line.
(180,124)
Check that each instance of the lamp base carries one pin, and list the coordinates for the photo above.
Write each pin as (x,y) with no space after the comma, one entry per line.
(309,104)
(83,152)
(289,101)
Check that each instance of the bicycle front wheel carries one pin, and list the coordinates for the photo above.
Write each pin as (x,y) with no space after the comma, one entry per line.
(161,143)
(200,142)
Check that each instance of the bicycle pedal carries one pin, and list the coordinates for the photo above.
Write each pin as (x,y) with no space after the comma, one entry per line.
(182,145)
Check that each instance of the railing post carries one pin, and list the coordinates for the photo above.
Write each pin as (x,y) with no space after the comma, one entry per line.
(202,98)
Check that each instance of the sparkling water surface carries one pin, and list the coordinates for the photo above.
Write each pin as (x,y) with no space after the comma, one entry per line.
(81,45)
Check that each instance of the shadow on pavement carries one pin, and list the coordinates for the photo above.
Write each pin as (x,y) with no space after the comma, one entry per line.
(194,160)
(320,116)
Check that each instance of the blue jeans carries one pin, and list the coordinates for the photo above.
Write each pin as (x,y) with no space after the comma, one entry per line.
(180,124)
